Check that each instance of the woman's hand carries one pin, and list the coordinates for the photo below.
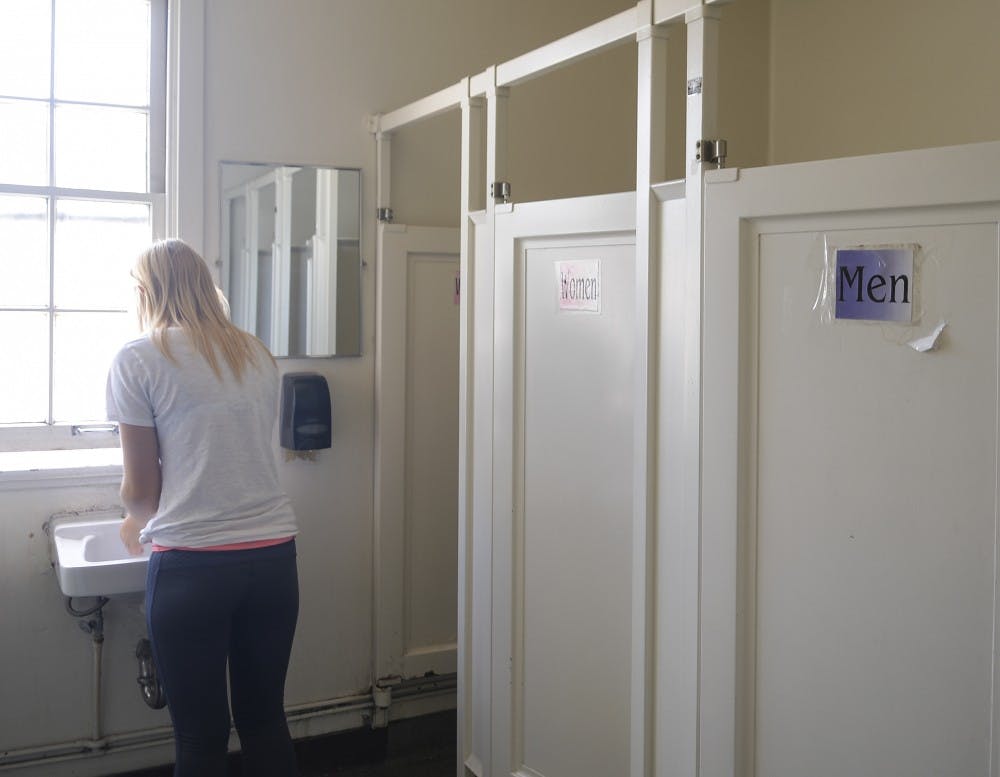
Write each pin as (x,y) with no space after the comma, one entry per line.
(129,532)
(141,481)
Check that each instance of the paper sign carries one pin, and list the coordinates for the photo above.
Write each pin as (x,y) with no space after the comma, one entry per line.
(578,285)
(875,284)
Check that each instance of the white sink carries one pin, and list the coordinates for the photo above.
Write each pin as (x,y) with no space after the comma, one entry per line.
(90,559)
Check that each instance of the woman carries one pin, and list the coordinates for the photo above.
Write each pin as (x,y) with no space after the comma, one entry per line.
(196,400)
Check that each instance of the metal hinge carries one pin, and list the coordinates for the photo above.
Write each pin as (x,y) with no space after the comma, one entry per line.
(713,151)
(500,191)
(384,214)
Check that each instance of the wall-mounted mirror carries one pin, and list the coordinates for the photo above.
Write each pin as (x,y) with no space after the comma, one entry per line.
(291,255)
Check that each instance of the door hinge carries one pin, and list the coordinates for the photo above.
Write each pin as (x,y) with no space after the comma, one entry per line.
(384,215)
(712,151)
(500,192)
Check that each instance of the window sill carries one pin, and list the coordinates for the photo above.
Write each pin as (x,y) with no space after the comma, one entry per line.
(88,466)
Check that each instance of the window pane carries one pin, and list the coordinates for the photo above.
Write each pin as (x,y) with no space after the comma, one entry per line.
(101,148)
(84,345)
(96,244)
(102,51)
(24,155)
(25,43)
(24,352)
(24,262)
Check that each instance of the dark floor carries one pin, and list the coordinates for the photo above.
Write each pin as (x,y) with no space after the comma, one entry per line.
(418,747)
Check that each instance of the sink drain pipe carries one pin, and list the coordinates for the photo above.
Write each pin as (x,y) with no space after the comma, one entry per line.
(149,681)
(95,627)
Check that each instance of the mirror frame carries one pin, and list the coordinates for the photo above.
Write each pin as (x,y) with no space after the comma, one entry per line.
(225,263)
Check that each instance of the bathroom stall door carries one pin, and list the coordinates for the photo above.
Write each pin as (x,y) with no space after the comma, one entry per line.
(849,483)
(564,385)
(417,473)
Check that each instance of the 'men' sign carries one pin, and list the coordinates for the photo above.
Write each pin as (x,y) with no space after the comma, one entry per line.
(875,284)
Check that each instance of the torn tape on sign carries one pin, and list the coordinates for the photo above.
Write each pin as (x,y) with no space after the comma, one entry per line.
(928,342)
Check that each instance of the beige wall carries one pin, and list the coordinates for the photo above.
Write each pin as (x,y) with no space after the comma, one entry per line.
(744,87)
(340,60)
(852,77)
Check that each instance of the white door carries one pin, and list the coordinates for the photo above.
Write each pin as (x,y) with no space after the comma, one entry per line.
(564,385)
(417,468)
(849,481)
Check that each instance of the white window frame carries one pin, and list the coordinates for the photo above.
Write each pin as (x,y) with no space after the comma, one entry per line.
(176,181)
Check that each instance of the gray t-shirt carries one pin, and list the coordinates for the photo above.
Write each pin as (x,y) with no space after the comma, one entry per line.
(220,476)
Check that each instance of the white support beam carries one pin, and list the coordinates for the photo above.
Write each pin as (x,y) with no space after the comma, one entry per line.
(496,170)
(665,11)
(472,188)
(480,83)
(702,104)
(383,167)
(573,47)
(651,120)
(702,80)
(496,138)
(473,152)
(432,105)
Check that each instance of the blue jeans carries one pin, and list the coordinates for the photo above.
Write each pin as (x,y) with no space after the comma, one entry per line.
(205,609)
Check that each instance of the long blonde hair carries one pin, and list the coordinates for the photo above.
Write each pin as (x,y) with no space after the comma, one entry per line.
(176,289)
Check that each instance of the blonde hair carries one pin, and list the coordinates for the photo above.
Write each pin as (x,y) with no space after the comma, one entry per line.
(176,289)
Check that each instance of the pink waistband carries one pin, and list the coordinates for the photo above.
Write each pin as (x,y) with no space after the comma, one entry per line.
(231,546)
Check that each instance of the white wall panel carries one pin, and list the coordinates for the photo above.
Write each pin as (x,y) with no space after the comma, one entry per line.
(477,699)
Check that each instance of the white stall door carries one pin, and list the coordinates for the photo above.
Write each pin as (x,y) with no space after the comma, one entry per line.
(417,532)
(850,478)
(564,383)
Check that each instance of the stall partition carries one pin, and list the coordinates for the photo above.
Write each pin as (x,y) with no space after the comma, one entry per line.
(578,426)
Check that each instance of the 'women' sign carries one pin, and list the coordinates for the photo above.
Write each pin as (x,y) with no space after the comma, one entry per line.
(578,285)
(875,284)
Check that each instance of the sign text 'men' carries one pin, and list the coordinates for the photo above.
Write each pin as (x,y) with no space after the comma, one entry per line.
(875,284)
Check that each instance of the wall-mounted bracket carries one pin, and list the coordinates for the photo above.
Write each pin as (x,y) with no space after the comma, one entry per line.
(384,215)
(500,191)
(713,151)
(382,697)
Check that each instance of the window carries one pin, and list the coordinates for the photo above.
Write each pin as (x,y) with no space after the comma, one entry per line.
(82,169)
